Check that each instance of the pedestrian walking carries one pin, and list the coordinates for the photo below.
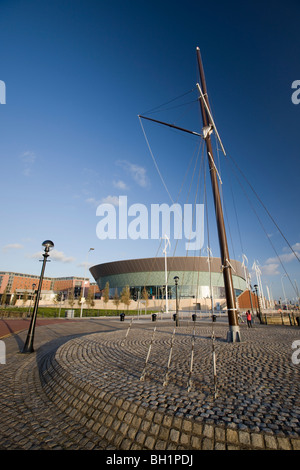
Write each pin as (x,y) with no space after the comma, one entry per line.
(249,319)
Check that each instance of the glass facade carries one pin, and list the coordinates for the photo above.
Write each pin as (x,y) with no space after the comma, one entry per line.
(196,280)
(190,285)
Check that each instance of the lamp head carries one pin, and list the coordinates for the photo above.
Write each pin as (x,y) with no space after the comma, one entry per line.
(48,244)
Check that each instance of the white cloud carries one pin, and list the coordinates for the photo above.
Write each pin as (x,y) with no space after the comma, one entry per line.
(55,255)
(285,258)
(60,256)
(28,158)
(93,201)
(138,173)
(12,246)
(270,269)
(84,264)
(120,185)
(272,264)
(114,200)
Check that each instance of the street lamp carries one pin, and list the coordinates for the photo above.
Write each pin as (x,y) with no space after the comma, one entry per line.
(28,346)
(176,278)
(83,298)
(297,292)
(250,288)
(286,303)
(32,297)
(258,303)
(61,299)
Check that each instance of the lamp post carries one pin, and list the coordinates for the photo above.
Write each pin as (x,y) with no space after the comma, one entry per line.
(286,303)
(32,297)
(167,243)
(83,298)
(258,303)
(176,290)
(61,299)
(28,346)
(297,292)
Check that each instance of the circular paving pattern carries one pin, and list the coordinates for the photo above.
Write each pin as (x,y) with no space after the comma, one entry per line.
(94,377)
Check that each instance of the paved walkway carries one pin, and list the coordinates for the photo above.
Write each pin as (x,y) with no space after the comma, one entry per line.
(10,326)
(82,388)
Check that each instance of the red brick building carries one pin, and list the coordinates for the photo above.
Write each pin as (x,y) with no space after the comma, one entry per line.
(244,301)
(17,283)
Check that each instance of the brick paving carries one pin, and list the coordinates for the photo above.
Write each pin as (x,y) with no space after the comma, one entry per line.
(10,326)
(81,389)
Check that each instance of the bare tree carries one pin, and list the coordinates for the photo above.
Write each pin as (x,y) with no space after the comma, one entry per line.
(106,294)
(4,296)
(145,296)
(71,298)
(116,299)
(125,296)
(25,297)
(90,298)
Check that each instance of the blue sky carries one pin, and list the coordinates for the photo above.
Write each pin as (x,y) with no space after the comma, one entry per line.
(78,73)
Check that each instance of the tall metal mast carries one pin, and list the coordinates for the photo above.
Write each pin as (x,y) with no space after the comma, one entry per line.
(208,125)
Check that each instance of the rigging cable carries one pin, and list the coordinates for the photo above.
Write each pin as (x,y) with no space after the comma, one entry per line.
(195,203)
(162,179)
(258,218)
(155,163)
(170,101)
(268,213)
(263,205)
(211,296)
(188,194)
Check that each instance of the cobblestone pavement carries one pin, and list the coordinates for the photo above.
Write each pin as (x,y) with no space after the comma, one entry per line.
(82,388)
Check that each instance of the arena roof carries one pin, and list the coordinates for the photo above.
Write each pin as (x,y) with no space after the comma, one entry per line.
(178,263)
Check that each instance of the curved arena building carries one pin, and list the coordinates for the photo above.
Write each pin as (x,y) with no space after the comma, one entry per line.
(195,277)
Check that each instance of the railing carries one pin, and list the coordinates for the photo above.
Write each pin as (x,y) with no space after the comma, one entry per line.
(283,317)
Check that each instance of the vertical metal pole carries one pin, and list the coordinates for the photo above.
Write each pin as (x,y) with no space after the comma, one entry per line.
(190,383)
(250,293)
(257,302)
(214,366)
(61,299)
(169,360)
(234,331)
(297,291)
(142,378)
(91,249)
(128,329)
(167,243)
(28,346)
(176,288)
(285,298)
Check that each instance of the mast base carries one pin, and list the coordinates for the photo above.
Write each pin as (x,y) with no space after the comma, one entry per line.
(234,335)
